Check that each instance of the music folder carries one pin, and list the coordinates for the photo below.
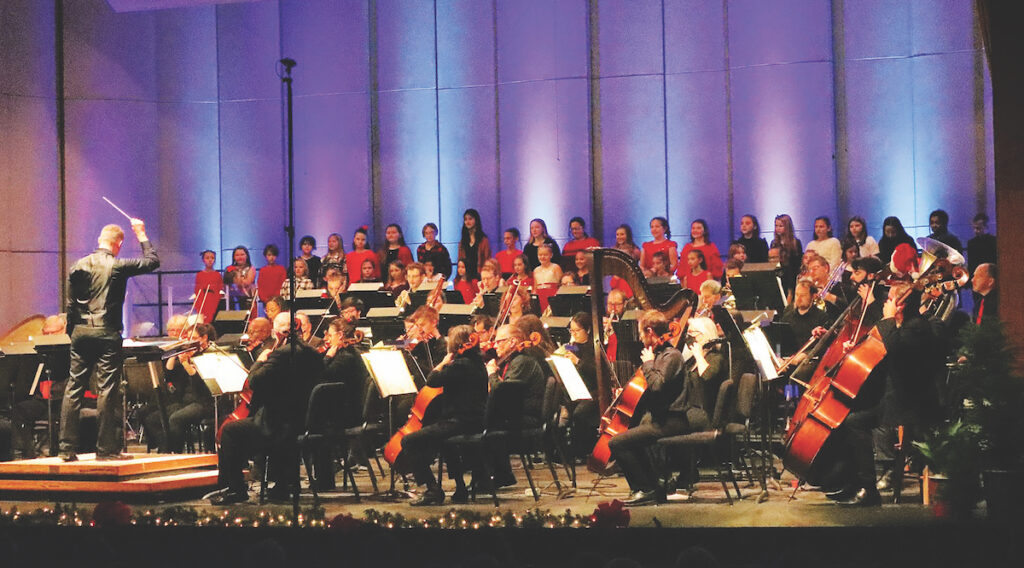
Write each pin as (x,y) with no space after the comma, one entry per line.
(222,372)
(765,358)
(389,372)
(570,378)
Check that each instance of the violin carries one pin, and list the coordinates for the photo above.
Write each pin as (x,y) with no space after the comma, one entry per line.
(622,414)
(418,415)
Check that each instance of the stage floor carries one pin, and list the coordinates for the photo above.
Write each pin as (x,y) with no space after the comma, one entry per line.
(705,507)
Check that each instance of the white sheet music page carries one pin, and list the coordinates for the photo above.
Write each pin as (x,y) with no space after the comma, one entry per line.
(570,377)
(225,369)
(389,371)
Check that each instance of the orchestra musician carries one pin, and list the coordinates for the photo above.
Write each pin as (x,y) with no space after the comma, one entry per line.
(306,331)
(343,363)
(425,343)
(188,402)
(281,381)
(904,393)
(675,401)
(986,304)
(464,380)
(490,281)
(802,315)
(615,306)
(828,284)
(261,338)
(474,246)
(274,306)
(97,285)
(586,415)
(25,413)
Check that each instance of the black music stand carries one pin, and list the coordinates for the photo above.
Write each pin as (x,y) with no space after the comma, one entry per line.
(386,324)
(233,321)
(569,300)
(55,359)
(453,315)
(558,328)
(758,289)
(390,374)
(309,299)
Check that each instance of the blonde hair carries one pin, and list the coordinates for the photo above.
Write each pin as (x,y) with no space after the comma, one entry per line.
(111,234)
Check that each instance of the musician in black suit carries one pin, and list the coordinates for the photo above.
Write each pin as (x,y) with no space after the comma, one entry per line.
(95,302)
(281,381)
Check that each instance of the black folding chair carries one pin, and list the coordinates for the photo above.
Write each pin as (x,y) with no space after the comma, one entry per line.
(325,431)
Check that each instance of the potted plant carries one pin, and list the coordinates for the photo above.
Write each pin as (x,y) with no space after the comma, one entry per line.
(952,453)
(993,406)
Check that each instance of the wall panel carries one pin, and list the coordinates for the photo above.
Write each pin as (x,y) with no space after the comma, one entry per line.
(408,157)
(541,39)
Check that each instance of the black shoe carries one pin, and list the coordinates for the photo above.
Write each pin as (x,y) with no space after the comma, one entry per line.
(886,481)
(68,457)
(228,497)
(642,498)
(865,497)
(428,497)
(841,494)
(504,481)
(460,497)
(114,457)
(279,495)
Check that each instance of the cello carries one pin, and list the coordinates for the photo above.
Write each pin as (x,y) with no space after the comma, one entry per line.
(620,415)
(418,414)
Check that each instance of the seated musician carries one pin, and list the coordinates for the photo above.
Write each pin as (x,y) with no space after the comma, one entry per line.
(336,285)
(343,363)
(820,272)
(615,307)
(515,363)
(872,292)
(464,379)
(350,309)
(426,344)
(188,400)
(274,306)
(490,281)
(710,296)
(675,405)
(802,316)
(483,327)
(261,338)
(520,303)
(281,381)
(903,393)
(301,277)
(25,413)
(733,268)
(586,415)
(306,331)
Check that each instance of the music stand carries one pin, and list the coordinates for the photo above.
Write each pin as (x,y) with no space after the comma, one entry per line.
(390,373)
(558,328)
(759,287)
(767,363)
(569,376)
(569,300)
(309,299)
(492,303)
(317,319)
(386,323)
(233,321)
(453,315)
(55,356)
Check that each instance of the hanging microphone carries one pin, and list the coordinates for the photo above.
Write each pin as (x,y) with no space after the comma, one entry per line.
(288,63)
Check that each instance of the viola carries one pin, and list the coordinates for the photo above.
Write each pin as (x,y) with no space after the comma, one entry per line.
(418,416)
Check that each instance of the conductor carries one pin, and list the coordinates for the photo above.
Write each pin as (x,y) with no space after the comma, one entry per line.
(97,284)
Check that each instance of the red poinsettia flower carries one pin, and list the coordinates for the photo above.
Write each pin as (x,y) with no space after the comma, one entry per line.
(112,514)
(610,515)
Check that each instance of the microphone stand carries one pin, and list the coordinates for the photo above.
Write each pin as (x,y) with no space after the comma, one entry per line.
(289,229)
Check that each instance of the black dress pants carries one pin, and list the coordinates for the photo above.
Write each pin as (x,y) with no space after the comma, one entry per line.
(102,351)
(631,449)
(421,447)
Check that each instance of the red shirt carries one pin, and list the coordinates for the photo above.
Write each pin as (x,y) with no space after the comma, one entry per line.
(574,245)
(652,247)
(693,281)
(711,256)
(208,284)
(269,281)
(505,259)
(355,260)
(468,289)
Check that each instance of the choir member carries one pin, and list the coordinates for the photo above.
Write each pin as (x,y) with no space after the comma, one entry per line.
(463,284)
(474,247)
(335,256)
(624,241)
(520,272)
(697,271)
(893,235)
(824,243)
(580,276)
(539,236)
(661,234)
(857,230)
(301,277)
(272,275)
(751,239)
(240,276)
(700,240)
(359,255)
(660,263)
(209,284)
(394,249)
(306,246)
(790,250)
(547,274)
(367,272)
(938,222)
(434,252)
(397,282)
(580,239)
(506,257)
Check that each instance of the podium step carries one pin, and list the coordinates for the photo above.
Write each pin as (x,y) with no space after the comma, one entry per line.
(88,466)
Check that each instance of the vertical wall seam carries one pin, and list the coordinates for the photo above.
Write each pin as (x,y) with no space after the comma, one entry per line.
(594,122)
(375,168)
(497,117)
(913,123)
(980,131)
(62,195)
(220,142)
(437,119)
(729,165)
(840,139)
(664,109)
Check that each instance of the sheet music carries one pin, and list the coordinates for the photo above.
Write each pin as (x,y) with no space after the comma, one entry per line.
(570,377)
(35,381)
(224,370)
(765,357)
(389,371)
